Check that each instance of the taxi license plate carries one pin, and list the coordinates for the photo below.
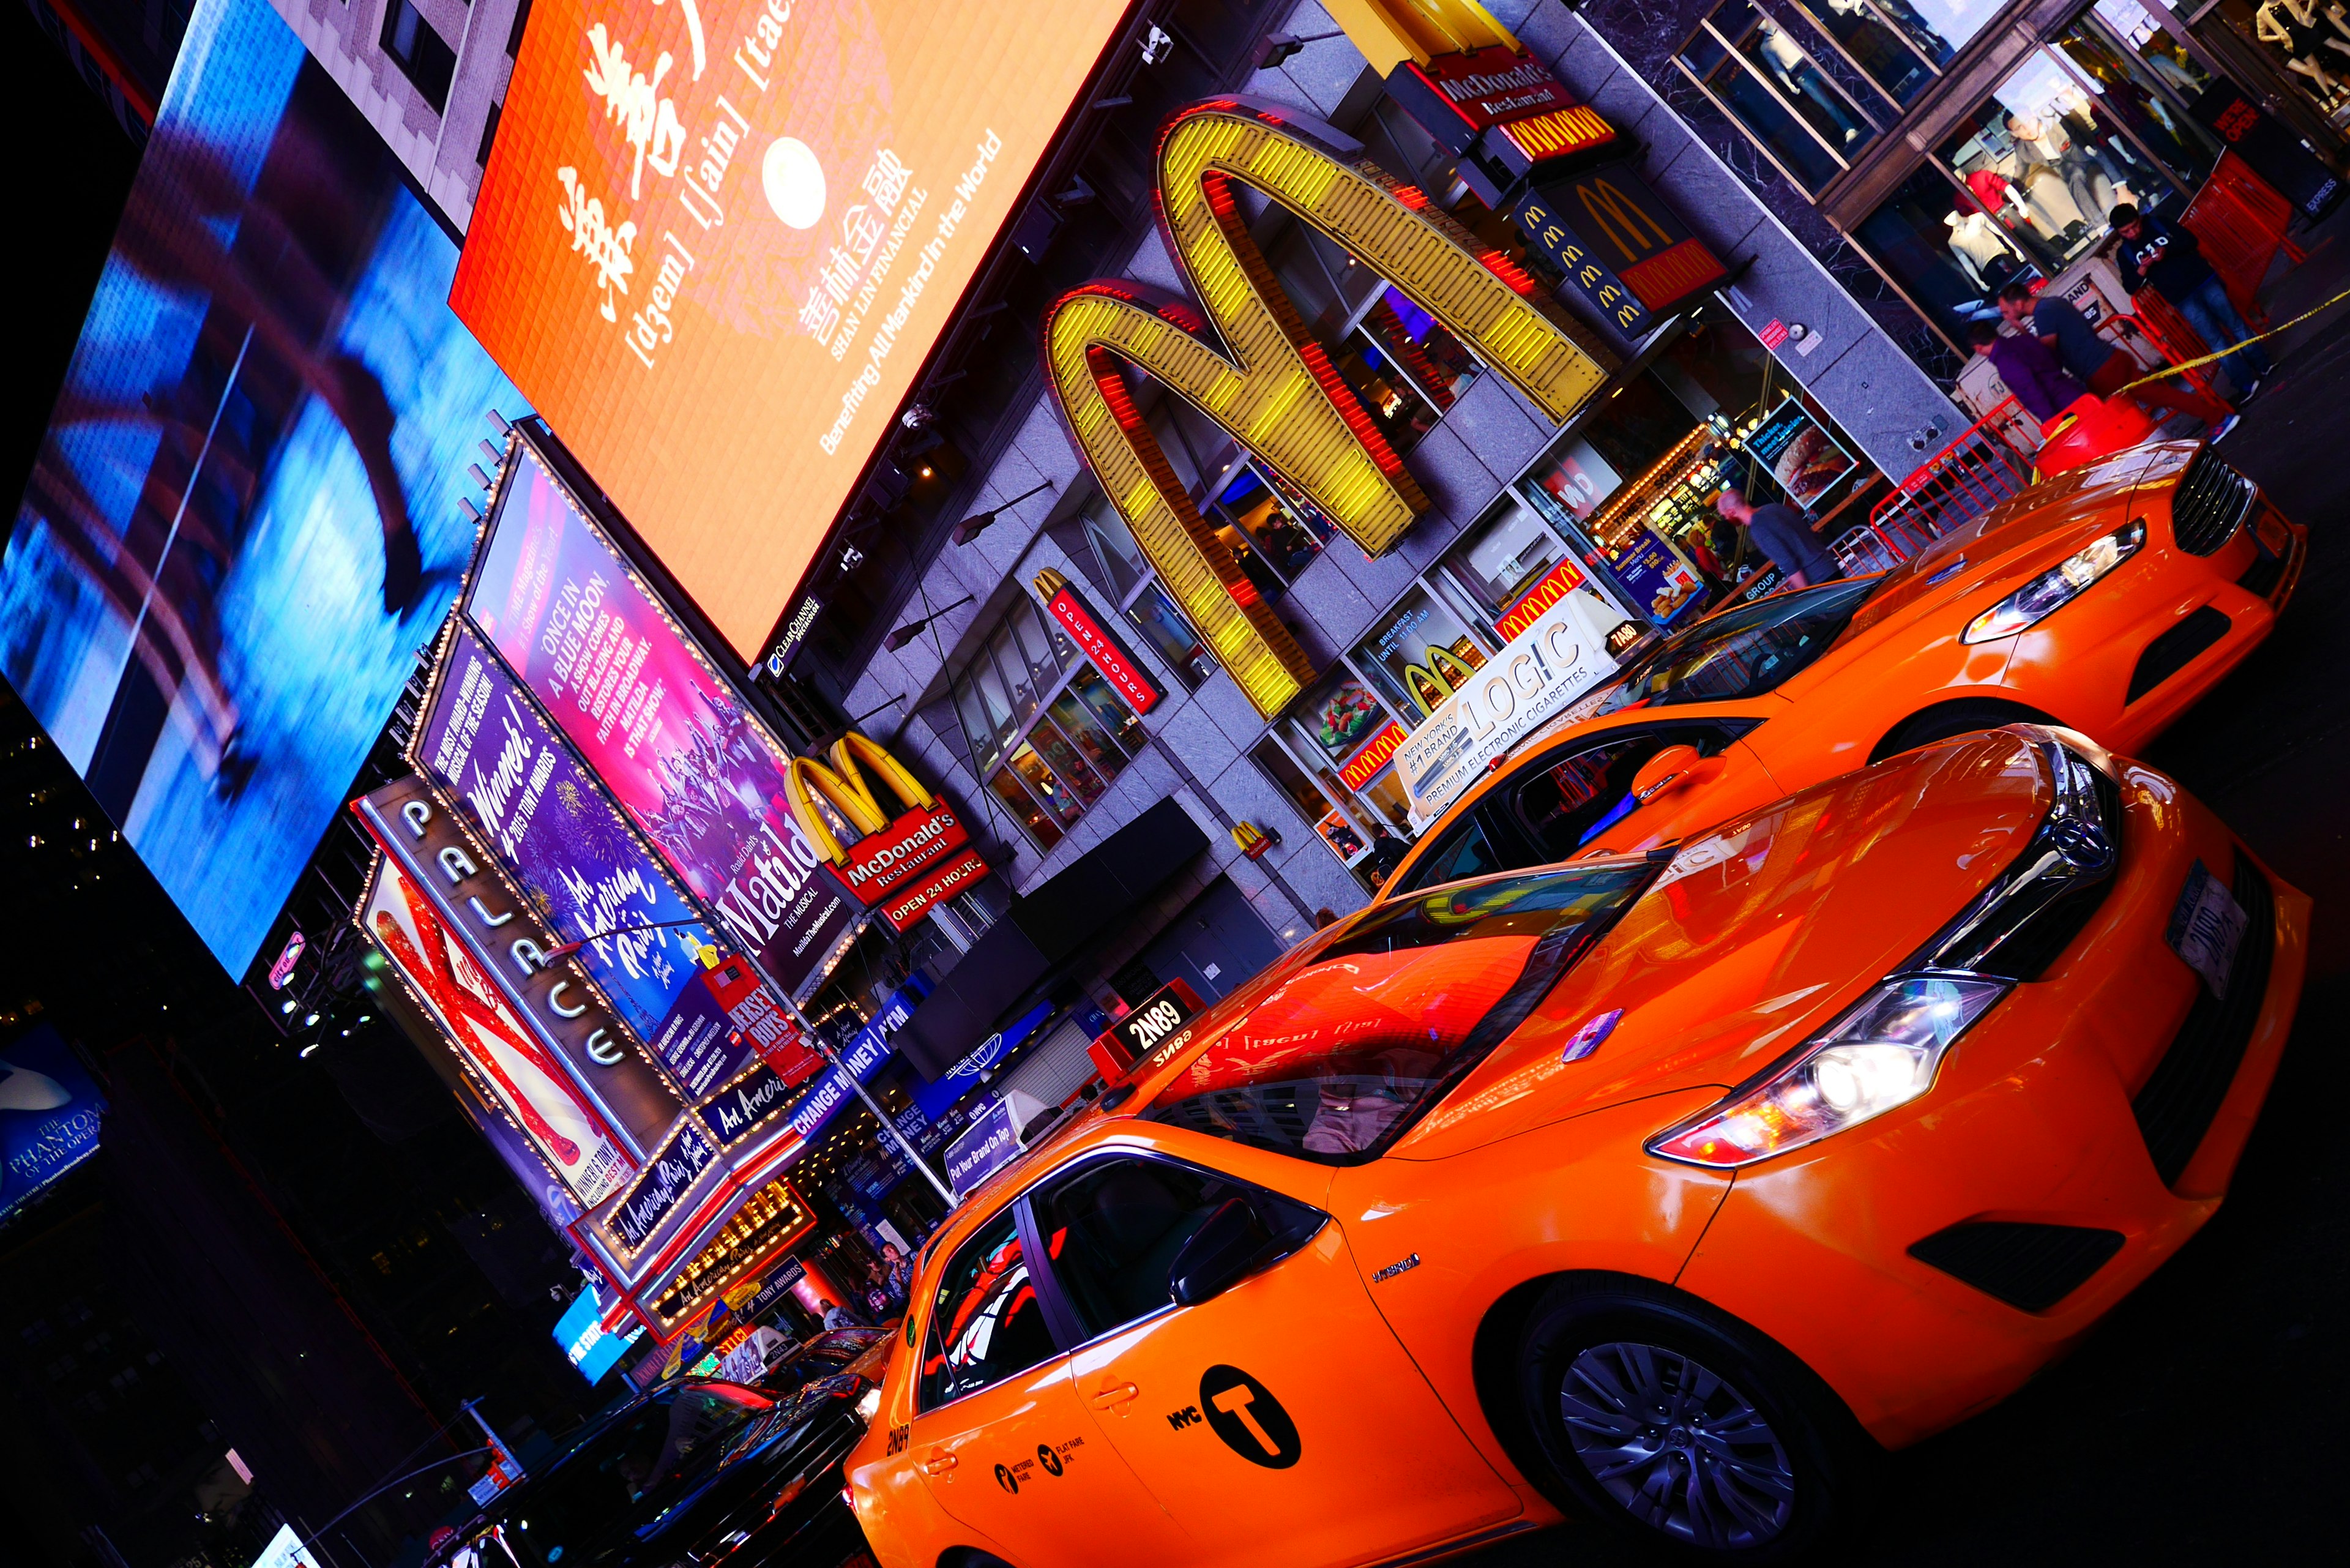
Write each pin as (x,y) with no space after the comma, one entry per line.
(2273,534)
(2207,927)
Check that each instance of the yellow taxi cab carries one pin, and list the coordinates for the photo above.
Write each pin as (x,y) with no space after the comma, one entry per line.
(1665,1188)
(2107,600)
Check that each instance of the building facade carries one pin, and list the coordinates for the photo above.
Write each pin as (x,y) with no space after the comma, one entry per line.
(998,701)
(430,75)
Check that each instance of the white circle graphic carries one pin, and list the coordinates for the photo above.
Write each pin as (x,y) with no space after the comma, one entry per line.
(794,182)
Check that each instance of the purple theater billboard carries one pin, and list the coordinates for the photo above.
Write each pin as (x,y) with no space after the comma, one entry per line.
(647,711)
(493,754)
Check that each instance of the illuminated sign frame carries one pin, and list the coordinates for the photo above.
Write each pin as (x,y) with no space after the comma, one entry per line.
(1271,386)
(902,864)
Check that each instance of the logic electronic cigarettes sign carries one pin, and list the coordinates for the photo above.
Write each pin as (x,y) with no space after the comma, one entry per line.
(717,239)
(649,712)
(494,756)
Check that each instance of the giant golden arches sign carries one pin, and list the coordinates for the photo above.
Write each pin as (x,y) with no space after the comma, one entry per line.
(1272,385)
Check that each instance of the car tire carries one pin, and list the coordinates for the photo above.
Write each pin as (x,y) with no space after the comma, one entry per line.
(1632,1390)
(1961,717)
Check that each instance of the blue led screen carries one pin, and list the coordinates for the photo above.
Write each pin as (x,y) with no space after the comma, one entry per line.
(244,522)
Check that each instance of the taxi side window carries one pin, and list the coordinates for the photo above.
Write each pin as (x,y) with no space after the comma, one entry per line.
(1113,1229)
(986,1325)
(1573,801)
(1463,851)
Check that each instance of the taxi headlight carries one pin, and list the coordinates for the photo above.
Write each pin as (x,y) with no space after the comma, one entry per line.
(1881,1053)
(2059,586)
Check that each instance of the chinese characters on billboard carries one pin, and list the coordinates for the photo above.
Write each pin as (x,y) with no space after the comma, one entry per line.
(721,238)
(699,775)
(244,519)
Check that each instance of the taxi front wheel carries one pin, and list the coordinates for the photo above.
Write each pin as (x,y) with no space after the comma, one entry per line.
(1679,1425)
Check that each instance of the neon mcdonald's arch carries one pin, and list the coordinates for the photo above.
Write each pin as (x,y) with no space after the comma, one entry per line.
(1277,392)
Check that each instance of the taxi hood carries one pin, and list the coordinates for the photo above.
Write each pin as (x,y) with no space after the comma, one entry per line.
(2083,494)
(1756,934)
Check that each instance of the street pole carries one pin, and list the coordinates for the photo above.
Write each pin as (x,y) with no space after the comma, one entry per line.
(824,1047)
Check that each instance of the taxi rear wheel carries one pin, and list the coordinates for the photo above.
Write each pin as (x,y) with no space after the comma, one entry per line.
(1684,1429)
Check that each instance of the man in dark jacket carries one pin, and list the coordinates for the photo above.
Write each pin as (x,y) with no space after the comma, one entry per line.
(2096,364)
(1780,532)
(2152,252)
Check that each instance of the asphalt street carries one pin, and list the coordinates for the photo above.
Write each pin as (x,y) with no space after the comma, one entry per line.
(2202,1422)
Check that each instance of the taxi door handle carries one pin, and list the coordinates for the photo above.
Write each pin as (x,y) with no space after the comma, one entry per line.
(939,1463)
(1112,1397)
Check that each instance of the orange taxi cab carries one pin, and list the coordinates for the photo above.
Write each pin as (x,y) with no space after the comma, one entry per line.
(2108,600)
(1663,1190)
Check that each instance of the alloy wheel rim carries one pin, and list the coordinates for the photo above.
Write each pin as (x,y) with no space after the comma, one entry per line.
(1677,1445)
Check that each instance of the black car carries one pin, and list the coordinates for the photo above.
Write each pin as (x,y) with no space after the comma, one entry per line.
(692,1473)
(834,1351)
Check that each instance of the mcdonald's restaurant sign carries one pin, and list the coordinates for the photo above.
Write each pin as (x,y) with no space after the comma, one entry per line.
(902,864)
(1626,250)
(1270,384)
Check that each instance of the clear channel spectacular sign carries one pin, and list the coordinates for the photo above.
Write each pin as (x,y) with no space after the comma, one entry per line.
(717,238)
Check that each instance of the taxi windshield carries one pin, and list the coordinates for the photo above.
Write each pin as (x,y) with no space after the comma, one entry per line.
(1343,1056)
(1742,652)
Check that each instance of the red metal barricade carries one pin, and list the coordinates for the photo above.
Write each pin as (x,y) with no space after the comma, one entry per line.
(1990,462)
(2240,221)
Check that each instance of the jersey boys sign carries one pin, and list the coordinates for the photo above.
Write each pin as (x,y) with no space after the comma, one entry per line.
(720,237)
(698,774)
(494,756)
(1097,644)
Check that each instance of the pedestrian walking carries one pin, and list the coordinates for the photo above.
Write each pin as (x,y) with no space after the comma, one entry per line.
(1780,532)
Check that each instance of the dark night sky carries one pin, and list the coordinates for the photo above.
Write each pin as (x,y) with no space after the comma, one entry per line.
(72,186)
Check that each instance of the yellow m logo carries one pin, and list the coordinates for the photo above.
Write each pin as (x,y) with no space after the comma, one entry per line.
(1277,392)
(1622,219)
(843,788)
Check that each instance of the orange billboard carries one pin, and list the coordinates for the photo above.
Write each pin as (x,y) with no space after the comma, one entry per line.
(717,238)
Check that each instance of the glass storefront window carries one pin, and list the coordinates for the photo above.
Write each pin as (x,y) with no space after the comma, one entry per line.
(1162,626)
(1416,653)
(2046,163)
(1145,605)
(1938,28)
(1034,818)
(1807,159)
(1579,480)
(1941,249)
(1775,55)
(2129,88)
(1409,340)
(1084,783)
(1056,796)
(1267,531)
(1051,752)
(1108,709)
(1877,50)
(1496,563)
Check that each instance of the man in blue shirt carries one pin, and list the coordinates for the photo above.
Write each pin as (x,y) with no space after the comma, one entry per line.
(2095,363)
(2152,252)
(1780,532)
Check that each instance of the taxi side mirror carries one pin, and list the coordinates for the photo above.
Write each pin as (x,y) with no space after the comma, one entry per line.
(1670,768)
(1221,1253)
